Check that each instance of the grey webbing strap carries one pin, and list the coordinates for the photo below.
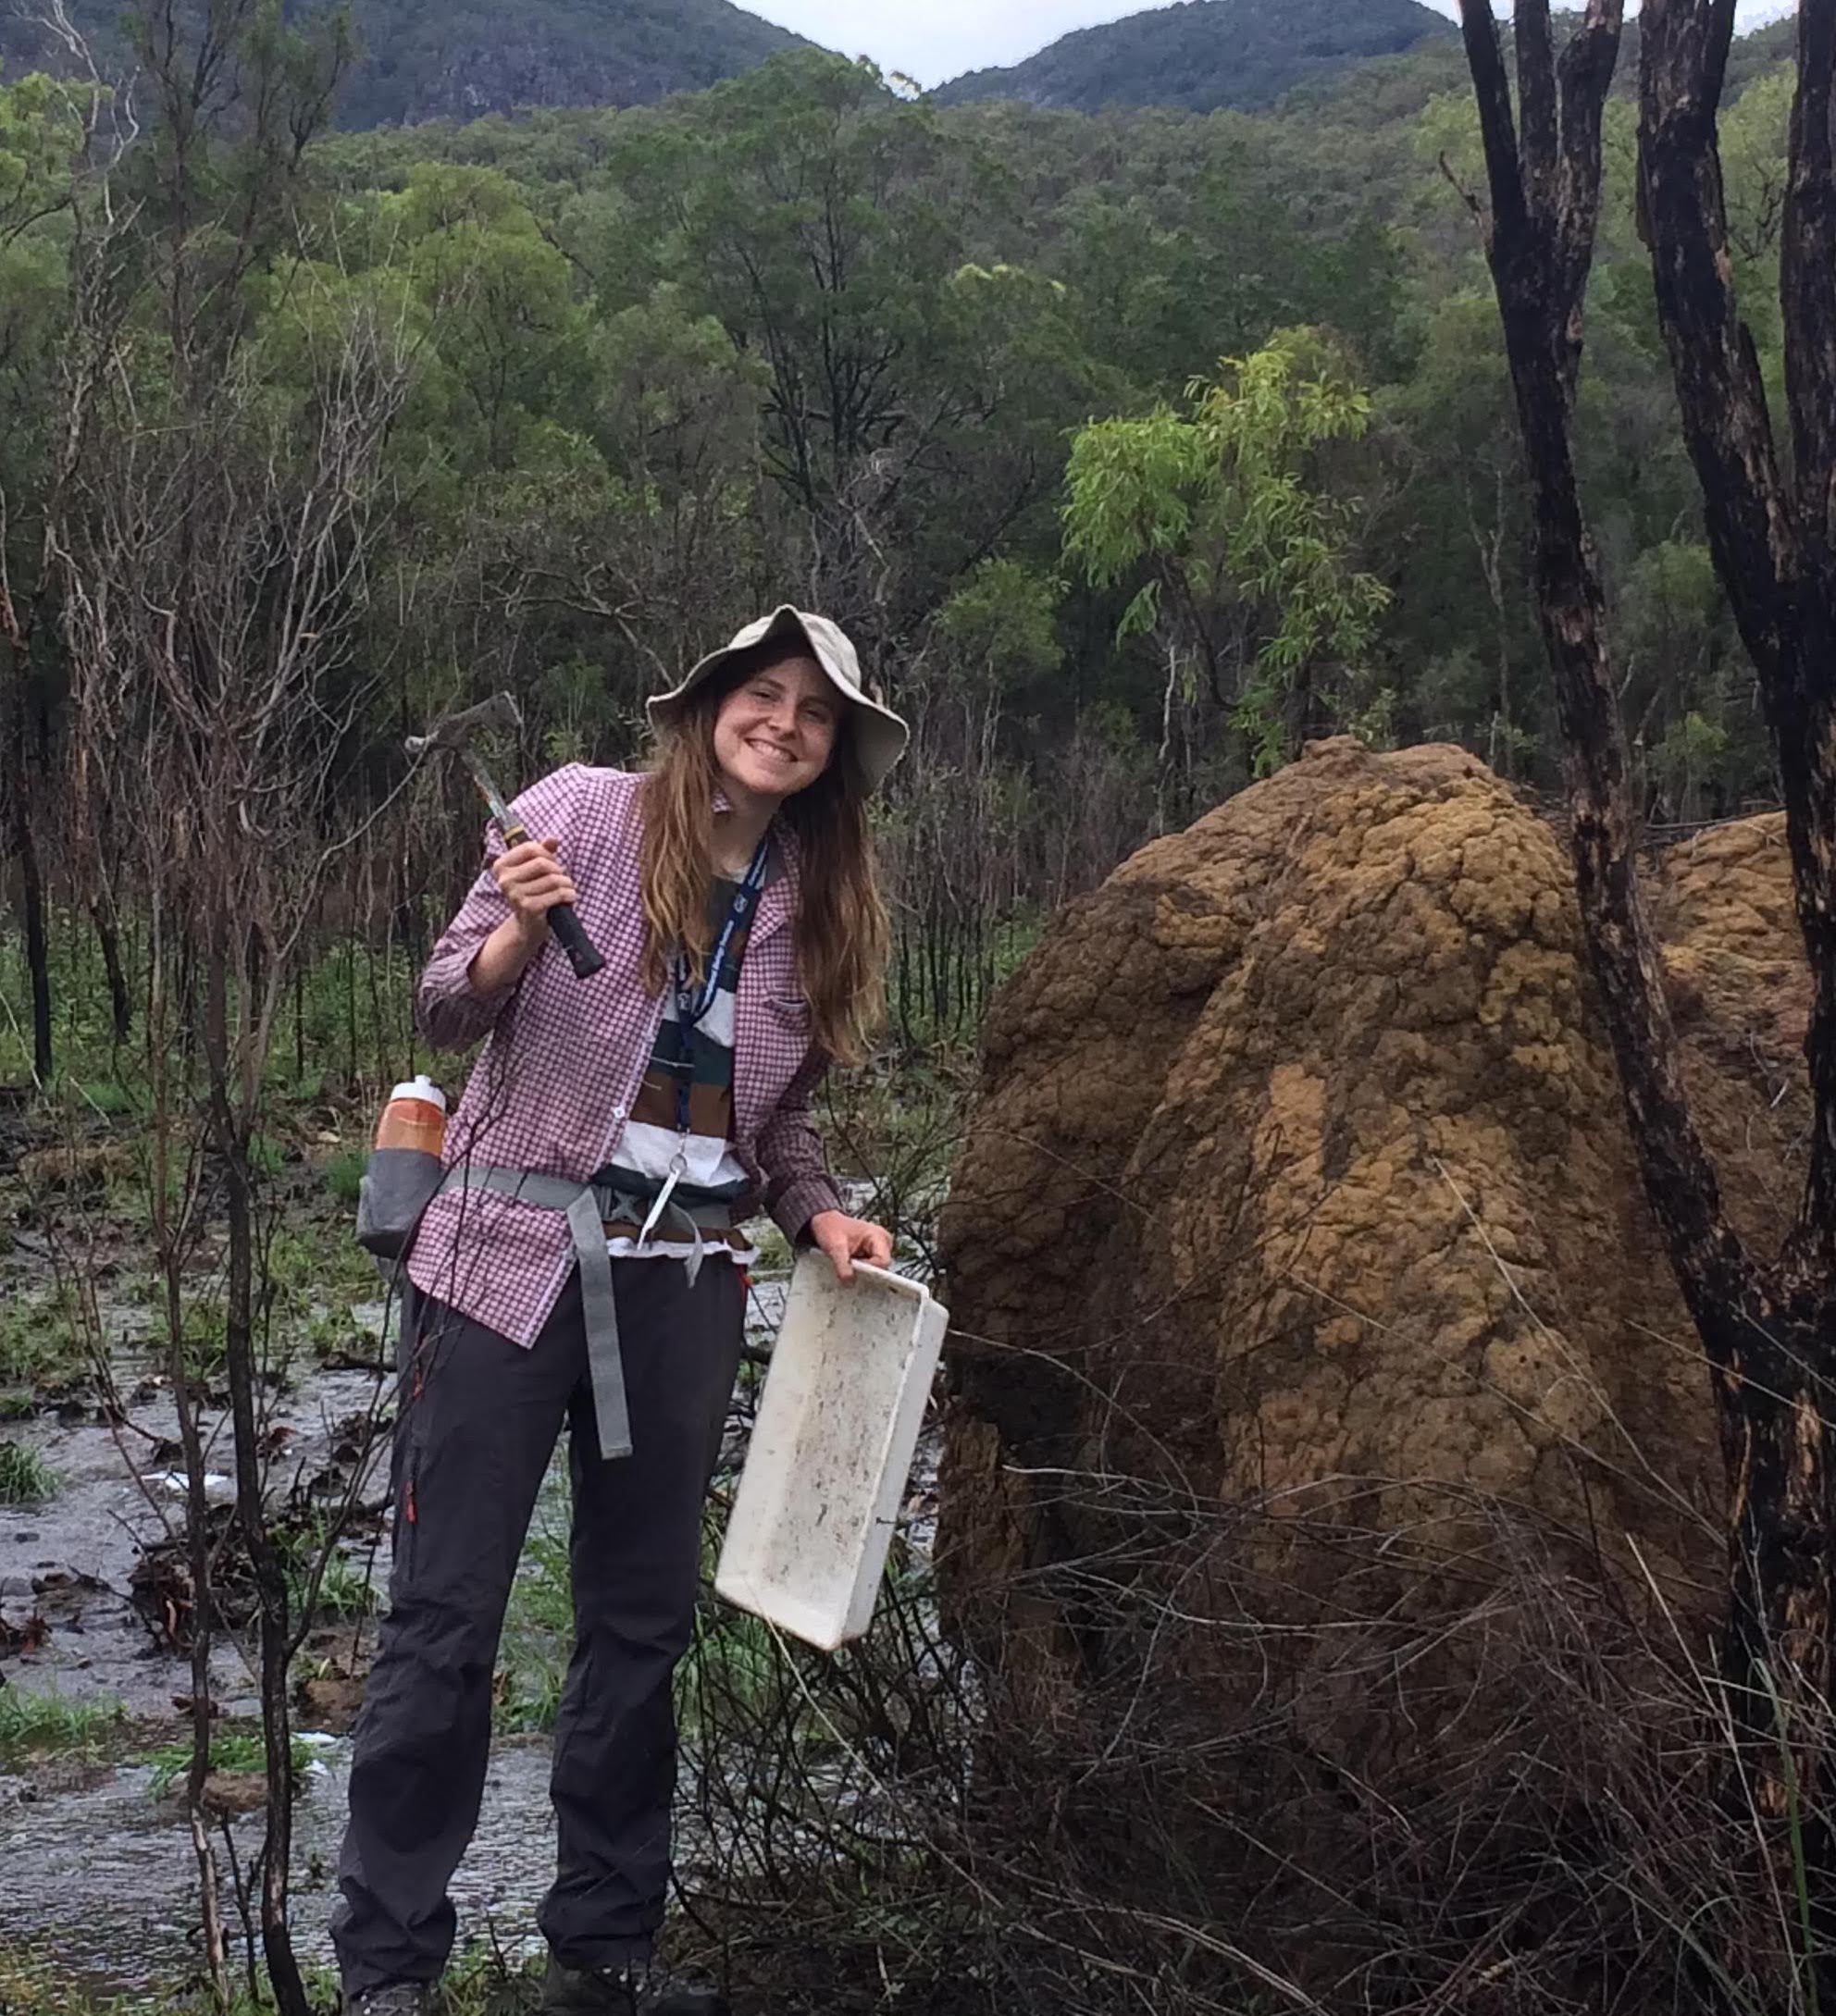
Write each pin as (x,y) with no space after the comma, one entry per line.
(599,1311)
(598,1308)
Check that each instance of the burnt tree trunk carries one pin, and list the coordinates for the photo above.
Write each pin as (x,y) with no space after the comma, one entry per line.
(231,1129)
(1767,1327)
(173,1232)
(24,841)
(37,949)
(1771,543)
(120,1002)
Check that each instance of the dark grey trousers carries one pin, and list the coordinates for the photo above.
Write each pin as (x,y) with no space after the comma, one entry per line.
(476,1427)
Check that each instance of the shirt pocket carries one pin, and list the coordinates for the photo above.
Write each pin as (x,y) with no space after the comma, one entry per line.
(771,1031)
(779,986)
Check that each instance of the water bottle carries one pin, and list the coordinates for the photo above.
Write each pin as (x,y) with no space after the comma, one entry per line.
(413,1119)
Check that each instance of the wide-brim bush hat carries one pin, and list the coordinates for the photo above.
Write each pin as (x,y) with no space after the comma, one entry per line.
(879,735)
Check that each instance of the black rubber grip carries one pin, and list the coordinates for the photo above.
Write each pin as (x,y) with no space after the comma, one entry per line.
(583,955)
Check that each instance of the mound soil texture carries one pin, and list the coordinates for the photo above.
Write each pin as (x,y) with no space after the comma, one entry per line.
(1307,1310)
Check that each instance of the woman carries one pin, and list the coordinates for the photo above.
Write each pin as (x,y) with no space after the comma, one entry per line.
(583,1259)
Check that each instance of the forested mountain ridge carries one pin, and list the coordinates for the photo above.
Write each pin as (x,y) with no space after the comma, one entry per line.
(1202,55)
(428,59)
(1014,392)
(1365,63)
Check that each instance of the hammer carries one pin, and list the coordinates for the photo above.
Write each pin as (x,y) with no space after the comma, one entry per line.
(455,733)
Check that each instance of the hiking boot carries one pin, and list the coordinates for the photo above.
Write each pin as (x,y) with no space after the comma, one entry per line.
(625,1991)
(399,1998)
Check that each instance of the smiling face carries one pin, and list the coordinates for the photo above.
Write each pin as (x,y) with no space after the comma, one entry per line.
(775,732)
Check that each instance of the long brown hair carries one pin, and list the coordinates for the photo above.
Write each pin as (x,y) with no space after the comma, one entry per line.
(843,935)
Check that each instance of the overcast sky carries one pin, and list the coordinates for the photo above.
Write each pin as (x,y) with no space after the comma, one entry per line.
(931,40)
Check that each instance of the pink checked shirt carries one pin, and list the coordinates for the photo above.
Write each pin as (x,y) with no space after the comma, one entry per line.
(552,1087)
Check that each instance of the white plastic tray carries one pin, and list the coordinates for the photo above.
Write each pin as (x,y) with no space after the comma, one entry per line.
(838,1425)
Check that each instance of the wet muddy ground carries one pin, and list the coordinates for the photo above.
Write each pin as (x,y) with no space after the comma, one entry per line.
(100,1874)
(70,1562)
(100,1871)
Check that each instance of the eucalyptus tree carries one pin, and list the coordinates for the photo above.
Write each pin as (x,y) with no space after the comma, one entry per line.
(1243,554)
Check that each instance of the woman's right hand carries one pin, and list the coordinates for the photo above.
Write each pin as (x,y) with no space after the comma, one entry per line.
(533,881)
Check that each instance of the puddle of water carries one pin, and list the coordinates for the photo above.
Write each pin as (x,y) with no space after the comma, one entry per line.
(101,1875)
(70,1559)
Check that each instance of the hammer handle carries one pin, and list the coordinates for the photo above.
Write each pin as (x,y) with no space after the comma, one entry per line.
(583,955)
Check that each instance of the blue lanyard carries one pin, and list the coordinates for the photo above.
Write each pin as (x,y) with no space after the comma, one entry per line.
(692,1003)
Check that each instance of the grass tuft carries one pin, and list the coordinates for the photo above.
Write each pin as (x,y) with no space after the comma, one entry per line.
(230,1750)
(38,1348)
(25,1477)
(32,1724)
(343,1175)
(539,1630)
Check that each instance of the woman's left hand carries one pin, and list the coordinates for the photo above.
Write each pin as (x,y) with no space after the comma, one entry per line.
(847,1239)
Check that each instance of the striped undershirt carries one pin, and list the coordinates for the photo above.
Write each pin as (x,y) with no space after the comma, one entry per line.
(701,1053)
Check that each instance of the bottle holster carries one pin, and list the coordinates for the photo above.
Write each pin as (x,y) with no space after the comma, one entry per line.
(398,1185)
